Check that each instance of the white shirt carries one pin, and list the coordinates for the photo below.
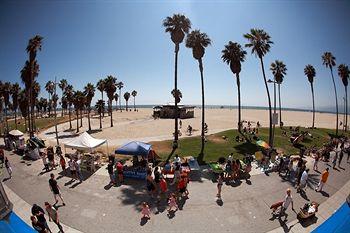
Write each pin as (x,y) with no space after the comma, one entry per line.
(287,201)
(177,160)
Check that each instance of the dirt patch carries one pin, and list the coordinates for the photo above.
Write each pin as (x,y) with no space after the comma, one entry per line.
(161,147)
(217,139)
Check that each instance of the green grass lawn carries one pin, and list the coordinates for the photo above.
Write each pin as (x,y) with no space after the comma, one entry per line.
(216,146)
(41,123)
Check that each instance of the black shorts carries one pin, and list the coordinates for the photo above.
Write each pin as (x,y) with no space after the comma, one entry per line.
(182,190)
(150,187)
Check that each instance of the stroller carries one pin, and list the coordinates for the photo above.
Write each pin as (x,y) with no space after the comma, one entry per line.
(309,210)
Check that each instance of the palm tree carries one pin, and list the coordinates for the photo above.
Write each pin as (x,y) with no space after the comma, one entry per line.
(177,95)
(198,41)
(101,86)
(100,106)
(23,106)
(1,105)
(78,101)
(233,55)
(134,94)
(116,97)
(49,87)
(120,85)
(62,85)
(15,92)
(110,89)
(34,45)
(126,97)
(89,92)
(310,72)
(329,61)
(260,43)
(6,94)
(177,25)
(64,104)
(343,72)
(69,93)
(279,70)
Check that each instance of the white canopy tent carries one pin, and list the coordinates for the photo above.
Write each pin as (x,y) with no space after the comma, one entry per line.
(85,142)
(16,133)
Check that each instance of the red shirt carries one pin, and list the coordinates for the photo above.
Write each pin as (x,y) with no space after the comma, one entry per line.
(119,167)
(181,184)
(163,185)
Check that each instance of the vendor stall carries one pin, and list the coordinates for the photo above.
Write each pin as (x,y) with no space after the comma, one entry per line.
(138,169)
(15,141)
(85,146)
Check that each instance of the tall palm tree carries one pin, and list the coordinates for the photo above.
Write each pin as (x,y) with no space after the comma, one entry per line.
(329,61)
(78,101)
(15,92)
(279,70)
(120,85)
(110,89)
(100,106)
(6,94)
(69,93)
(310,73)
(126,97)
(134,94)
(260,42)
(35,95)
(177,95)
(49,87)
(34,45)
(116,97)
(177,25)
(1,106)
(343,72)
(198,41)
(233,55)
(64,104)
(23,106)
(89,92)
(62,85)
(101,86)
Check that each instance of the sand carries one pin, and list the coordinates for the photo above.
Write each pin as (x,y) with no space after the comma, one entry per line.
(141,126)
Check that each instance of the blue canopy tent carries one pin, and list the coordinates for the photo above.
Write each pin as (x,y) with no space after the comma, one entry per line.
(134,148)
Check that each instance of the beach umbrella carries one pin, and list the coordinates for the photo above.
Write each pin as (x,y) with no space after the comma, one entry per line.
(263,144)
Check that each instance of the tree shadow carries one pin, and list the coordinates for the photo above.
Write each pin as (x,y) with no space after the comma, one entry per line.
(334,168)
(93,131)
(324,193)
(67,136)
(6,179)
(247,147)
(75,185)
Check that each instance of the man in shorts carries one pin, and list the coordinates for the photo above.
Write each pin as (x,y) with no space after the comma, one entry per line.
(55,189)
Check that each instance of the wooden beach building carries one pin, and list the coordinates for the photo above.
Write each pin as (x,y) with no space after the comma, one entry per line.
(168,111)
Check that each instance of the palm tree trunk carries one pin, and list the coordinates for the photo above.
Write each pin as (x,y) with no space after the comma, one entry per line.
(25,124)
(120,100)
(77,113)
(102,100)
(16,118)
(201,154)
(6,122)
(100,121)
(313,106)
(239,103)
(134,104)
(89,118)
(269,100)
(279,103)
(81,117)
(126,105)
(336,101)
(110,112)
(346,108)
(28,116)
(70,120)
(176,135)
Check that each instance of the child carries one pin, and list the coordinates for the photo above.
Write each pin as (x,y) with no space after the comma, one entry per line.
(220,183)
(172,202)
(145,211)
(8,167)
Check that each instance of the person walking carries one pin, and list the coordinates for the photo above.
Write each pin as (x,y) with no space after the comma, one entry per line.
(323,180)
(303,180)
(72,168)
(2,157)
(119,167)
(53,215)
(78,170)
(334,160)
(341,153)
(38,226)
(316,159)
(63,164)
(219,186)
(44,160)
(38,212)
(110,172)
(55,189)
(288,199)
(8,167)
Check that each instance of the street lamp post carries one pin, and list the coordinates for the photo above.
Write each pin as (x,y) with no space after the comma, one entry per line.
(274,110)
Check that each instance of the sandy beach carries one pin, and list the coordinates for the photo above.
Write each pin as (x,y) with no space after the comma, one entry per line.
(141,126)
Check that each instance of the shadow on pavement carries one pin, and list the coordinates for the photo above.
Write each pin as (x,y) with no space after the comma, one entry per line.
(143,221)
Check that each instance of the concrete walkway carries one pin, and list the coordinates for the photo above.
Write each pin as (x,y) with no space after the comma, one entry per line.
(94,207)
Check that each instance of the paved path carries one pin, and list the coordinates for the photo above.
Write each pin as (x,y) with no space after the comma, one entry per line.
(94,207)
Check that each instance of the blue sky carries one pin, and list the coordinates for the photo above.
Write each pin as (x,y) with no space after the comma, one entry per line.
(88,40)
